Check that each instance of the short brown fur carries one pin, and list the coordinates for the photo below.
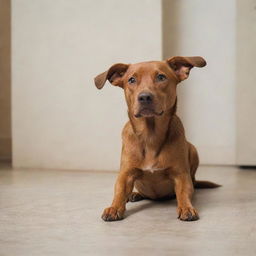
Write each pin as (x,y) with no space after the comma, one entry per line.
(156,157)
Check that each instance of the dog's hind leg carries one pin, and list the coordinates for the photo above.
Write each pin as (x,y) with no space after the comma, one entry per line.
(193,160)
(135,196)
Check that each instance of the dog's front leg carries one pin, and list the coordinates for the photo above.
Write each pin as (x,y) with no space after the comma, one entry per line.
(123,188)
(184,190)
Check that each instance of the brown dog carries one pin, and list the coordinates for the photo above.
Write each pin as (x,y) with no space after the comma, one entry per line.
(156,157)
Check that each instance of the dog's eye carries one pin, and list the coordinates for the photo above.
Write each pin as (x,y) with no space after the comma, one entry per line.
(132,80)
(161,77)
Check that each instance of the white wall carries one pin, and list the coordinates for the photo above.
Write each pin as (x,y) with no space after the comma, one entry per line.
(246,88)
(207,98)
(59,119)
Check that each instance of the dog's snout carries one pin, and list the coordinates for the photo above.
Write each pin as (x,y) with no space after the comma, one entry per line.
(145,98)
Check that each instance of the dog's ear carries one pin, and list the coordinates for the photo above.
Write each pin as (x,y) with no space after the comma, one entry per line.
(114,74)
(182,65)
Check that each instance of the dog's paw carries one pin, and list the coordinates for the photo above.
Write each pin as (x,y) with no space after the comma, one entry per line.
(112,214)
(187,214)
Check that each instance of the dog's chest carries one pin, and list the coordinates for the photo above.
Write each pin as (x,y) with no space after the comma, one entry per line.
(152,161)
(152,169)
(151,165)
(158,163)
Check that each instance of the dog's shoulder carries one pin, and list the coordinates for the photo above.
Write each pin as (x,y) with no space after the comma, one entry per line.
(128,132)
(131,147)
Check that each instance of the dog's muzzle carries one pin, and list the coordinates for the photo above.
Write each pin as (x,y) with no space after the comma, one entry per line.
(146,105)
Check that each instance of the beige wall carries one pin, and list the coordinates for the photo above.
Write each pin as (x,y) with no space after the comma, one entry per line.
(207,98)
(246,85)
(5,81)
(60,120)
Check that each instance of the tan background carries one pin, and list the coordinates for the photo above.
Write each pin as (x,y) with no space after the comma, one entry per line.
(61,121)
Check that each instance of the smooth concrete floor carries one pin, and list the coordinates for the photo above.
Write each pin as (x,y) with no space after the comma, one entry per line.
(57,212)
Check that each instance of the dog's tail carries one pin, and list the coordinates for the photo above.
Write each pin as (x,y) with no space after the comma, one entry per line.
(205,184)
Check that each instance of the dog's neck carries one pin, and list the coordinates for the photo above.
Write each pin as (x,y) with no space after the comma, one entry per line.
(152,131)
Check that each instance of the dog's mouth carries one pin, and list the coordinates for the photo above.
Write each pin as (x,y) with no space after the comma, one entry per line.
(148,112)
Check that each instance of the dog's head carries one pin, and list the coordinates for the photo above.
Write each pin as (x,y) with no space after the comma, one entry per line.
(150,87)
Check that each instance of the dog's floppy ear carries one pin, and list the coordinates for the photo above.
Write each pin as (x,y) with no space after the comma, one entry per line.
(182,65)
(114,74)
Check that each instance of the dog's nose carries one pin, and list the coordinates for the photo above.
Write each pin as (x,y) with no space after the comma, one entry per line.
(145,97)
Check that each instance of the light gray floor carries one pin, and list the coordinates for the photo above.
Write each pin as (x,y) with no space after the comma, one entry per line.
(50,212)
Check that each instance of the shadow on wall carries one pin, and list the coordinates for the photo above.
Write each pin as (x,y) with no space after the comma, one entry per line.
(170,34)
(5,81)
(171,38)
(207,98)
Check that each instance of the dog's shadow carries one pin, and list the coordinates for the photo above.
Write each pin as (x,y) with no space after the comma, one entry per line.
(148,203)
(164,202)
